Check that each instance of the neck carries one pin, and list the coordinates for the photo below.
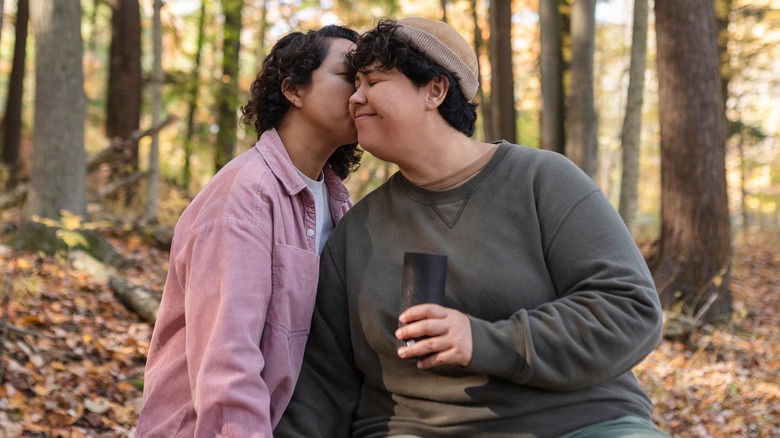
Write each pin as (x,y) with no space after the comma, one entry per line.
(307,152)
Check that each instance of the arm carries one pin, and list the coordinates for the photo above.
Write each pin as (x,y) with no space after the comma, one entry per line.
(328,389)
(227,297)
(606,319)
(603,315)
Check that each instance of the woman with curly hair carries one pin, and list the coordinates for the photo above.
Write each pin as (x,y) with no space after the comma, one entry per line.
(230,333)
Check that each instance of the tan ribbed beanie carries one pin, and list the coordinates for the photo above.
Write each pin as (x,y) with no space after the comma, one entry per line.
(443,44)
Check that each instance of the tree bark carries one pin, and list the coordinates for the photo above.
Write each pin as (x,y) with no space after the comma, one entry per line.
(478,44)
(124,78)
(693,265)
(722,11)
(632,123)
(227,99)
(581,129)
(553,136)
(502,84)
(123,108)
(58,179)
(12,125)
(483,102)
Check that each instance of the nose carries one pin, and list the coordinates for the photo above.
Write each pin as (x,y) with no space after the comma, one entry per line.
(358,97)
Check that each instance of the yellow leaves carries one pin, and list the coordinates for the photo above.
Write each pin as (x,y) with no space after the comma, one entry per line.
(73,239)
(23,263)
(70,221)
(69,228)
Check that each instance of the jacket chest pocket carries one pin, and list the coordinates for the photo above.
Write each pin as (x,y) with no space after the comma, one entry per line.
(294,276)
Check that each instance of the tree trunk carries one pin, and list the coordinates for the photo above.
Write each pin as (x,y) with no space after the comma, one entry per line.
(581,129)
(123,108)
(261,33)
(12,132)
(693,265)
(58,179)
(722,11)
(157,85)
(478,44)
(502,84)
(193,98)
(553,136)
(443,4)
(483,103)
(632,123)
(227,99)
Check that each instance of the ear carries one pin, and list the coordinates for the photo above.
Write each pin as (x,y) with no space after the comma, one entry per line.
(437,90)
(292,93)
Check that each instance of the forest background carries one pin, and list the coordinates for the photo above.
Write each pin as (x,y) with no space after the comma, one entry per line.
(117,112)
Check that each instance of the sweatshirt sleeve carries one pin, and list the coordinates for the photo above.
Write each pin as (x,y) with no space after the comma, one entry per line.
(328,389)
(226,302)
(606,317)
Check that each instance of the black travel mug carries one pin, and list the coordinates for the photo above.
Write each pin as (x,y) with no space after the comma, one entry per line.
(424,276)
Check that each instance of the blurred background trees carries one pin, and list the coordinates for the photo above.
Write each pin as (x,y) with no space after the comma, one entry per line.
(684,142)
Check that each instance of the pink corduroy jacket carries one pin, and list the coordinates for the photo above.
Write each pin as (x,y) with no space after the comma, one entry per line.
(228,343)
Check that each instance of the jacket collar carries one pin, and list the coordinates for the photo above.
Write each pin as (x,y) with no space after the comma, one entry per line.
(278,160)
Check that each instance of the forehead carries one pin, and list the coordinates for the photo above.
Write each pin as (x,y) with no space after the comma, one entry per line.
(337,49)
(375,67)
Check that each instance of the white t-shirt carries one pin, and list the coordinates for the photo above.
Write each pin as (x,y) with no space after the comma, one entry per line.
(324,219)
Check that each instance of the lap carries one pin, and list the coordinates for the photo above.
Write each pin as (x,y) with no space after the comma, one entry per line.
(623,427)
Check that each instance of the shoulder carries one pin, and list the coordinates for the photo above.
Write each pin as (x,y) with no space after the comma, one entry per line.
(242,192)
(539,160)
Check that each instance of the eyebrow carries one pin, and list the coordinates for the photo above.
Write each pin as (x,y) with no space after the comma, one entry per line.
(374,70)
(367,71)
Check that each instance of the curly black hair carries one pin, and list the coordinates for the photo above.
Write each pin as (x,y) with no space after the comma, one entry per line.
(382,44)
(294,58)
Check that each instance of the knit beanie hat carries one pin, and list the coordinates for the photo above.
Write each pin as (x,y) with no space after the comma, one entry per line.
(444,45)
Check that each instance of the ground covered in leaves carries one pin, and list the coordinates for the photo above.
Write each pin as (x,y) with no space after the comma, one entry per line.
(72,356)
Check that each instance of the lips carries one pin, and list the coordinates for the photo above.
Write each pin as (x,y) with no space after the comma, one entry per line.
(363,116)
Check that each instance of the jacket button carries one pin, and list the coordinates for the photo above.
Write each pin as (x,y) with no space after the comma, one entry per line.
(309,232)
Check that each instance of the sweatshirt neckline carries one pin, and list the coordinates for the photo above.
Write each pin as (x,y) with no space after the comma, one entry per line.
(427,196)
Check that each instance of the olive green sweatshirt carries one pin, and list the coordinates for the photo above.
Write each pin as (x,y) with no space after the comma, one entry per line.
(560,300)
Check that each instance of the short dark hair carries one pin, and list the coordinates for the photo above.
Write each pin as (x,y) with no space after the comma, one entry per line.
(294,58)
(382,44)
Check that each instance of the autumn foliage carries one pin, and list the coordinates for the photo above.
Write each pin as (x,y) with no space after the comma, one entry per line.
(73,356)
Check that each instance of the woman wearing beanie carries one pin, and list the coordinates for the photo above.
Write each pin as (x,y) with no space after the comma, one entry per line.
(548,303)
(229,338)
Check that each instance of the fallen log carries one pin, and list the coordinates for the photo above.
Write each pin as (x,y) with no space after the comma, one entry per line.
(144,302)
